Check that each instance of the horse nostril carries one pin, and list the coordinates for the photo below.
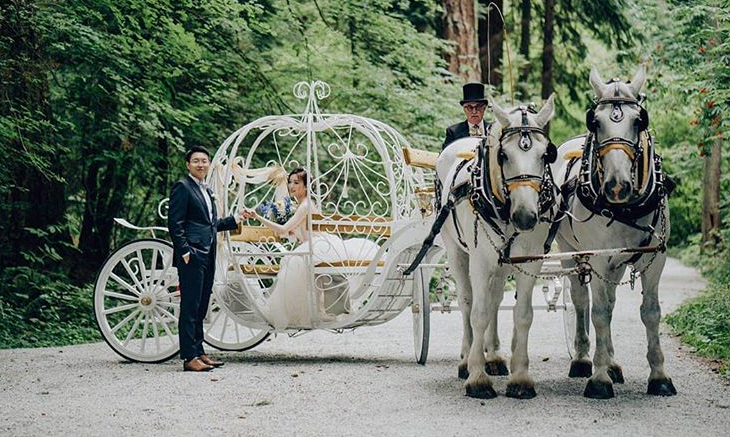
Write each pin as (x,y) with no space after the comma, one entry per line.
(524,221)
(616,191)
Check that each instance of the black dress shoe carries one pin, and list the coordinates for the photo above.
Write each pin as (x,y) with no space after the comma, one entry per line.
(196,365)
(206,360)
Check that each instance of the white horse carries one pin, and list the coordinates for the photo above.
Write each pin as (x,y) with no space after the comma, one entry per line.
(518,155)
(619,186)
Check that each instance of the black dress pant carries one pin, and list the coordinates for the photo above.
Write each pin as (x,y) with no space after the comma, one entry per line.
(196,285)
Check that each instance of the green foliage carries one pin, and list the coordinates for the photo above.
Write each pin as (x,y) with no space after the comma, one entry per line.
(704,323)
(40,308)
(38,305)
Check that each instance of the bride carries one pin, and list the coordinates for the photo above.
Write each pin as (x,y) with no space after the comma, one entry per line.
(289,304)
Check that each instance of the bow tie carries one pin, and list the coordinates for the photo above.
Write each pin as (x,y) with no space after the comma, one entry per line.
(474,130)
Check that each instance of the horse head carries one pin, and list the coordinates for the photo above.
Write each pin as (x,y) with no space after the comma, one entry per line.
(524,153)
(615,121)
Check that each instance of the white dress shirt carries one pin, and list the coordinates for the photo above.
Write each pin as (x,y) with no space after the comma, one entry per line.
(476,129)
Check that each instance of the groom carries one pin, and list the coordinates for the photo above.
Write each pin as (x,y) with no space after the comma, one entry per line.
(193,222)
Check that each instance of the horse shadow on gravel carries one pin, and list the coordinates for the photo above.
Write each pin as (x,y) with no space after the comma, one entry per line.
(279,358)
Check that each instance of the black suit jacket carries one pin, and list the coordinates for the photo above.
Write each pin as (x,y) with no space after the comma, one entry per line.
(190,226)
(459,130)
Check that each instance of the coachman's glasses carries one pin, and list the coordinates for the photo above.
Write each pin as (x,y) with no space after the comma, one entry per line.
(474,108)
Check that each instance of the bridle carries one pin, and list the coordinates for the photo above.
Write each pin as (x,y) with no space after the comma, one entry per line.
(543,184)
(633,148)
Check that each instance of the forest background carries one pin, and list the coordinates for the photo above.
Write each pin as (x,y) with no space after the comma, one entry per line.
(100,98)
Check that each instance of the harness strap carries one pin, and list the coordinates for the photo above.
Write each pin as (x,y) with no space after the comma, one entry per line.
(529,183)
(428,242)
(616,146)
(456,195)
(646,240)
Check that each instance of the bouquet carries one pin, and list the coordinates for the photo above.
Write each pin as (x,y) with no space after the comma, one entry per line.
(278,211)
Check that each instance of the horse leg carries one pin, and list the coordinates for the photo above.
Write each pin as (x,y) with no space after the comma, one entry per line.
(478,384)
(520,384)
(600,385)
(614,369)
(660,384)
(459,268)
(581,365)
(496,365)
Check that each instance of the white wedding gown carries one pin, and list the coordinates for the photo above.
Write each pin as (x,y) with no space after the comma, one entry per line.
(292,304)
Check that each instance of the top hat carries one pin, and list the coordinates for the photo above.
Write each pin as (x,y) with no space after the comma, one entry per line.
(473,92)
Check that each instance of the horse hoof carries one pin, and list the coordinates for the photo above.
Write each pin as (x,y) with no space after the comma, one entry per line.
(598,390)
(616,374)
(580,369)
(496,368)
(661,387)
(518,391)
(480,391)
(463,371)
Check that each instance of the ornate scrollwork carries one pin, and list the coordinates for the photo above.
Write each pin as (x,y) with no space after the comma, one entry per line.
(359,184)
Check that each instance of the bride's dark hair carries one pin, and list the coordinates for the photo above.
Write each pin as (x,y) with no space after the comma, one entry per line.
(301,172)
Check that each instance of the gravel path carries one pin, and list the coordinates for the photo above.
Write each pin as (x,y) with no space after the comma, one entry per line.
(363,383)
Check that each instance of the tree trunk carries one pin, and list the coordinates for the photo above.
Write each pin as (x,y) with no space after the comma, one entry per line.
(460,28)
(526,16)
(491,38)
(547,52)
(711,195)
(106,184)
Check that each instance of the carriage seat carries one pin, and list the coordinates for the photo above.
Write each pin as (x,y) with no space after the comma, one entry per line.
(342,225)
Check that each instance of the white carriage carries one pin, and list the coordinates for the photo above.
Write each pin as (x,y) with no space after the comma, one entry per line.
(363,187)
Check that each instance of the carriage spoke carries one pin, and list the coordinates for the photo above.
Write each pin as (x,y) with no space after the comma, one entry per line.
(215,319)
(155,331)
(125,320)
(169,304)
(165,268)
(123,283)
(132,331)
(121,296)
(153,270)
(225,326)
(145,328)
(143,270)
(167,313)
(164,325)
(119,308)
(132,275)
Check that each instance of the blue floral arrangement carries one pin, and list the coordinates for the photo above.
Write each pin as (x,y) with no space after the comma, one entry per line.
(278,211)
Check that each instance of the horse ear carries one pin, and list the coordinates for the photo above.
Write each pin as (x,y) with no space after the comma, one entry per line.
(638,81)
(597,83)
(546,113)
(499,113)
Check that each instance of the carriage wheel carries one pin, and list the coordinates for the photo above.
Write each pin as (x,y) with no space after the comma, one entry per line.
(568,314)
(421,309)
(137,301)
(224,333)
